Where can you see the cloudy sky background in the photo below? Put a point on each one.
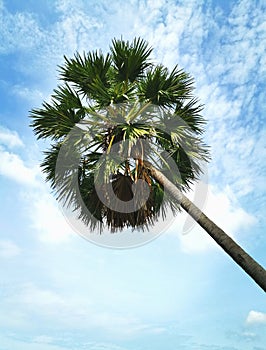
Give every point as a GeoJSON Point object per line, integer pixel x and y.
{"type": "Point", "coordinates": [58, 291]}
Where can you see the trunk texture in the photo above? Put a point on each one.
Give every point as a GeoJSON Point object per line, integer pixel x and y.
{"type": "Point", "coordinates": [244, 260]}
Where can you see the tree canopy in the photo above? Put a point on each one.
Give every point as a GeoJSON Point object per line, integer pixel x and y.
{"type": "Point", "coordinates": [111, 113]}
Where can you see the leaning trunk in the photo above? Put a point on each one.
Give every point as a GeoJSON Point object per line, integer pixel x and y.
{"type": "Point", "coordinates": [244, 260]}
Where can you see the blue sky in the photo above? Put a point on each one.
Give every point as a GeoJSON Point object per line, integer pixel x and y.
{"type": "Point", "coordinates": [59, 291]}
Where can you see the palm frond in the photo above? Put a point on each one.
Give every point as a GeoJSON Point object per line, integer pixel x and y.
{"type": "Point", "coordinates": [84, 70]}
{"type": "Point", "coordinates": [164, 89]}
{"type": "Point", "coordinates": [130, 60]}
{"type": "Point", "coordinates": [190, 112]}
{"type": "Point", "coordinates": [57, 118]}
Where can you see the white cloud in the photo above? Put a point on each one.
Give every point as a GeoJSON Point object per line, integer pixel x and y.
{"type": "Point", "coordinates": [72, 311]}
{"type": "Point", "coordinates": [47, 220]}
{"type": "Point", "coordinates": [12, 165]}
{"type": "Point", "coordinates": [9, 138]}
{"type": "Point", "coordinates": [226, 211]}
{"type": "Point", "coordinates": [14, 168]}
{"type": "Point", "coordinates": [256, 317]}
{"type": "Point", "coordinates": [34, 96]}
{"type": "Point", "coordinates": [75, 28]}
{"type": "Point", "coordinates": [237, 157]}
{"type": "Point", "coordinates": [8, 249]}
{"type": "Point", "coordinates": [42, 46]}
{"type": "Point", "coordinates": [19, 31]}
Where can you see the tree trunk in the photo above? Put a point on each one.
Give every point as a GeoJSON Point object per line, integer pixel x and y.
{"type": "Point", "coordinates": [244, 260]}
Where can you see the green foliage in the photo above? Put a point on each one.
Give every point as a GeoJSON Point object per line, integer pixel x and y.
{"type": "Point", "coordinates": [130, 60]}
{"type": "Point", "coordinates": [164, 89]}
{"type": "Point", "coordinates": [104, 100]}
{"type": "Point", "coordinates": [57, 118]}
{"type": "Point", "coordinates": [87, 72]}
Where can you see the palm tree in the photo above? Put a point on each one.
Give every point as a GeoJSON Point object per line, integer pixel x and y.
{"type": "Point", "coordinates": [127, 143]}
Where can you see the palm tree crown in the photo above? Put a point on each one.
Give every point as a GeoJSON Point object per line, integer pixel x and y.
{"type": "Point", "coordinates": [110, 114]}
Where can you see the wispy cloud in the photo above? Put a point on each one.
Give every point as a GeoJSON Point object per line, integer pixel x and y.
{"type": "Point", "coordinates": [31, 95]}
{"type": "Point", "coordinates": [43, 342]}
{"type": "Point", "coordinates": [14, 168]}
{"type": "Point", "coordinates": [10, 138]}
{"type": "Point", "coordinates": [47, 220]}
{"type": "Point", "coordinates": [19, 31]}
{"type": "Point", "coordinates": [8, 249]}
{"type": "Point", "coordinates": [69, 312]}
{"type": "Point", "coordinates": [15, 343]}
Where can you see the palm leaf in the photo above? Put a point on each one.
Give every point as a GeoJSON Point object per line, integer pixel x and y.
{"type": "Point", "coordinates": [164, 89]}
{"type": "Point", "coordinates": [130, 60]}
{"type": "Point", "coordinates": [84, 70]}
{"type": "Point", "coordinates": [57, 118]}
